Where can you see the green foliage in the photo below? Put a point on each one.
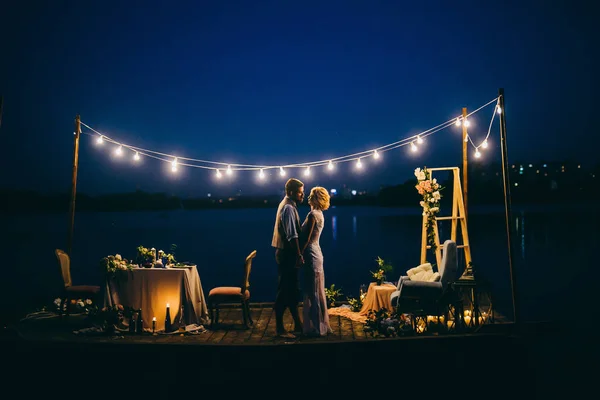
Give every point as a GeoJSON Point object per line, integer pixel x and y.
{"type": "Point", "coordinates": [383, 268]}
{"type": "Point", "coordinates": [144, 255]}
{"type": "Point", "coordinates": [430, 190]}
{"type": "Point", "coordinates": [332, 295]}
{"type": "Point", "coordinates": [355, 303]}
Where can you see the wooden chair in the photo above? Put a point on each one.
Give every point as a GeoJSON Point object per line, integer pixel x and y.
{"type": "Point", "coordinates": [71, 291]}
{"type": "Point", "coordinates": [236, 294]}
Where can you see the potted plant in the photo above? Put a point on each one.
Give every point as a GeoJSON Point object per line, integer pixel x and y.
{"type": "Point", "coordinates": [383, 268]}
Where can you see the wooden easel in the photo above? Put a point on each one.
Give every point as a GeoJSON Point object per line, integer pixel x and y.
{"type": "Point", "coordinates": [458, 214]}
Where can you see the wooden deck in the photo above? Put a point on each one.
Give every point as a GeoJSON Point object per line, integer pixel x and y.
{"type": "Point", "coordinates": [40, 354]}
{"type": "Point", "coordinates": [229, 331]}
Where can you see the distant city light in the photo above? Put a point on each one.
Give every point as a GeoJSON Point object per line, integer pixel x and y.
{"type": "Point", "coordinates": [209, 195]}
{"type": "Point", "coordinates": [354, 193]}
{"type": "Point", "coordinates": [333, 191]}
{"type": "Point", "coordinates": [516, 184]}
{"type": "Point", "coordinates": [544, 165]}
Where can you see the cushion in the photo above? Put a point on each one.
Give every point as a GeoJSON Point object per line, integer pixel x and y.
{"type": "Point", "coordinates": [415, 270]}
{"type": "Point", "coordinates": [423, 273]}
{"type": "Point", "coordinates": [228, 291]}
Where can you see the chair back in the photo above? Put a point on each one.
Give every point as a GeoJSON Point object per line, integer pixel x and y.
{"type": "Point", "coordinates": [449, 264]}
{"type": "Point", "coordinates": [65, 266]}
{"type": "Point", "coordinates": [247, 269]}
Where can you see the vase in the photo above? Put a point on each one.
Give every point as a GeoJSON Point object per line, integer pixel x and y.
{"type": "Point", "coordinates": [379, 281]}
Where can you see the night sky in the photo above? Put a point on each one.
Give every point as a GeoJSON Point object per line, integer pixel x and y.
{"type": "Point", "coordinates": [279, 82]}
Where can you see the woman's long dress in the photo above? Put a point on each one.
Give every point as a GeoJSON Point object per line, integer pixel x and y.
{"type": "Point", "coordinates": [316, 318]}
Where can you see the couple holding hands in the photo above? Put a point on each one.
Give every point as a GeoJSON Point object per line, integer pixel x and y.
{"type": "Point", "coordinates": [297, 247]}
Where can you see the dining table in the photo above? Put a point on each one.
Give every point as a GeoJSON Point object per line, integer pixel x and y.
{"type": "Point", "coordinates": [156, 292]}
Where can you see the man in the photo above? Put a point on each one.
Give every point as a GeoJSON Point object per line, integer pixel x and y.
{"type": "Point", "coordinates": [288, 256]}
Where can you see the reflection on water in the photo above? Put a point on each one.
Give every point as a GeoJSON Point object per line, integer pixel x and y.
{"type": "Point", "coordinates": [334, 227]}
{"type": "Point", "coordinates": [354, 227]}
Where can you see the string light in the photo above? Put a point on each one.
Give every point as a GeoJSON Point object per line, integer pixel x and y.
{"type": "Point", "coordinates": [477, 153]}
{"type": "Point", "coordinates": [467, 137]}
{"type": "Point", "coordinates": [307, 171]}
{"type": "Point", "coordinates": [219, 175]}
{"type": "Point", "coordinates": [484, 144]}
{"type": "Point", "coordinates": [261, 174]}
{"type": "Point", "coordinates": [119, 150]}
{"type": "Point", "coordinates": [499, 109]}
{"type": "Point", "coordinates": [136, 156]}
{"type": "Point", "coordinates": [358, 164]}
{"type": "Point", "coordinates": [216, 165]}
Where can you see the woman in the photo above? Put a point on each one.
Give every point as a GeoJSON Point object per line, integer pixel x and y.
{"type": "Point", "coordinates": [316, 318]}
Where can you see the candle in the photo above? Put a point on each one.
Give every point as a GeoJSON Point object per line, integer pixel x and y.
{"type": "Point", "coordinates": [153, 324]}
{"type": "Point", "coordinates": [467, 320]}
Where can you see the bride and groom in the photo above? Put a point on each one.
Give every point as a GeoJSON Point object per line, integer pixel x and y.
{"type": "Point", "coordinates": [297, 247]}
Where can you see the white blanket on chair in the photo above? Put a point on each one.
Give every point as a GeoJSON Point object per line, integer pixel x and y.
{"type": "Point", "coordinates": [423, 272]}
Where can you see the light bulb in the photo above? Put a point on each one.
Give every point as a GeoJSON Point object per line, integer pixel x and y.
{"type": "Point", "coordinates": [413, 147]}
{"type": "Point", "coordinates": [281, 171]}
{"type": "Point", "coordinates": [307, 171]}
{"type": "Point", "coordinates": [467, 123]}
{"type": "Point", "coordinates": [261, 174]}
{"type": "Point", "coordinates": [330, 165]}
{"type": "Point", "coordinates": [99, 140]}
{"type": "Point", "coordinates": [229, 171]}
{"type": "Point", "coordinates": [477, 154]}
{"type": "Point", "coordinates": [484, 144]}
{"type": "Point", "coordinates": [119, 150]}
{"type": "Point", "coordinates": [136, 156]}
{"type": "Point", "coordinates": [419, 140]}
{"type": "Point", "coordinates": [174, 164]}
{"type": "Point", "coordinates": [218, 174]}
{"type": "Point", "coordinates": [375, 155]}
{"type": "Point", "coordinates": [467, 137]}
{"type": "Point", "coordinates": [457, 123]}
{"type": "Point", "coordinates": [358, 164]}
{"type": "Point", "coordinates": [499, 109]}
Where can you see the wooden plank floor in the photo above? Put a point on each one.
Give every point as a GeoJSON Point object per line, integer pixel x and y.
{"type": "Point", "coordinates": [230, 330]}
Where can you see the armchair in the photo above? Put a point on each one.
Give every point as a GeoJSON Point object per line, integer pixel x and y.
{"type": "Point", "coordinates": [428, 297]}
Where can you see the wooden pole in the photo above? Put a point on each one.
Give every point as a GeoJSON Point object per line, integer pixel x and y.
{"type": "Point", "coordinates": [507, 202]}
{"type": "Point", "coordinates": [465, 161]}
{"type": "Point", "coordinates": [1, 106]}
{"type": "Point", "coordinates": [77, 132]}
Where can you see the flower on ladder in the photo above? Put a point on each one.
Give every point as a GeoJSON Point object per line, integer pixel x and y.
{"type": "Point", "coordinates": [430, 190]}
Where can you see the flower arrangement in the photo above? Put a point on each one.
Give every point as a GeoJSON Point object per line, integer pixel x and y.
{"type": "Point", "coordinates": [168, 258]}
{"type": "Point", "coordinates": [145, 256]}
{"type": "Point", "coordinates": [430, 190]}
{"type": "Point", "coordinates": [110, 317]}
{"type": "Point", "coordinates": [86, 306]}
{"type": "Point", "coordinates": [384, 323]}
{"type": "Point", "coordinates": [115, 263]}
{"type": "Point", "coordinates": [332, 294]}
{"type": "Point", "coordinates": [380, 273]}
{"type": "Point", "coordinates": [355, 303]}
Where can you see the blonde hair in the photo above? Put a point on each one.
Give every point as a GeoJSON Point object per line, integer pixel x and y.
{"type": "Point", "coordinates": [319, 198]}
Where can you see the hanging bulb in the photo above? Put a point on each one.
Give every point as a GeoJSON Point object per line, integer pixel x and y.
{"type": "Point", "coordinates": [307, 171]}
{"type": "Point", "coordinates": [119, 150]}
{"type": "Point", "coordinates": [330, 165]}
{"type": "Point", "coordinates": [484, 144]}
{"type": "Point", "coordinates": [375, 155]}
{"type": "Point", "coordinates": [229, 171]}
{"type": "Point", "coordinates": [174, 164]}
{"type": "Point", "coordinates": [467, 137]}
{"type": "Point", "coordinates": [281, 171]}
{"type": "Point", "coordinates": [477, 153]}
{"type": "Point", "coordinates": [136, 156]}
{"type": "Point", "coordinates": [499, 109]}
{"type": "Point", "coordinates": [99, 140]}
{"type": "Point", "coordinates": [419, 140]}
{"type": "Point", "coordinates": [219, 175]}
{"type": "Point", "coordinates": [413, 147]}
{"type": "Point", "coordinates": [467, 123]}
{"type": "Point", "coordinates": [358, 164]}
{"type": "Point", "coordinates": [261, 174]}
{"type": "Point", "coordinates": [457, 123]}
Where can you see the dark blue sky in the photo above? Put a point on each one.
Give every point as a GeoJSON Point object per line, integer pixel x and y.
{"type": "Point", "coordinates": [270, 82]}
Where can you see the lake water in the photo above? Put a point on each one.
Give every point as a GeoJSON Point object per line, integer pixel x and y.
{"type": "Point", "coordinates": [552, 253]}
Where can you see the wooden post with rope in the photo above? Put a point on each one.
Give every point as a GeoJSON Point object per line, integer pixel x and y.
{"type": "Point", "coordinates": [76, 134]}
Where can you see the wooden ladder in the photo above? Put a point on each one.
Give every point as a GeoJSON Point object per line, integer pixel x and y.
{"type": "Point", "coordinates": [458, 214]}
